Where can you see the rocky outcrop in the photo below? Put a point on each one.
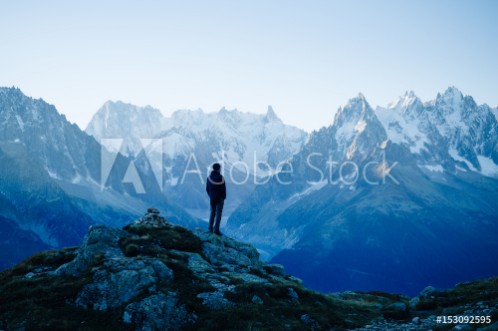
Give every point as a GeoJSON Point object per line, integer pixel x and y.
{"type": "Point", "coordinates": [120, 280]}
{"type": "Point", "coordinates": [152, 275]}
{"type": "Point", "coordinates": [100, 244]}
{"type": "Point", "coordinates": [158, 312]}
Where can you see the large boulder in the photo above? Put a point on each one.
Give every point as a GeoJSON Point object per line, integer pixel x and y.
{"type": "Point", "coordinates": [101, 243]}
{"type": "Point", "coordinates": [158, 312]}
{"type": "Point", "coordinates": [118, 281]}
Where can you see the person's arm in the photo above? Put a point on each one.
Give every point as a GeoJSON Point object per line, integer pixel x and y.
{"type": "Point", "coordinates": [208, 187]}
{"type": "Point", "coordinates": [224, 190]}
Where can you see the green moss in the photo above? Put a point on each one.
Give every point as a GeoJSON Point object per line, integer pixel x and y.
{"type": "Point", "coordinates": [153, 241]}
{"type": "Point", "coordinates": [482, 290]}
{"type": "Point", "coordinates": [257, 272]}
{"type": "Point", "coordinates": [45, 303]}
{"type": "Point", "coordinates": [468, 293]}
{"type": "Point", "coordinates": [131, 250]}
{"type": "Point", "coordinates": [44, 260]}
{"type": "Point", "coordinates": [390, 296]}
{"type": "Point", "coordinates": [280, 312]}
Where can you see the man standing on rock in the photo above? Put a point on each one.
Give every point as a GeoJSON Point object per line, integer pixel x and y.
{"type": "Point", "coordinates": [216, 189]}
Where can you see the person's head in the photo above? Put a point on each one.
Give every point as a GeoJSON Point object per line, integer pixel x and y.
{"type": "Point", "coordinates": [216, 167]}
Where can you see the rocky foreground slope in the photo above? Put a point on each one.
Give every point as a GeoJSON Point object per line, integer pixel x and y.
{"type": "Point", "coordinates": [153, 275]}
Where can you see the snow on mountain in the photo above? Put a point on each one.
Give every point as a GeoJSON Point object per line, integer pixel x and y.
{"type": "Point", "coordinates": [495, 112]}
{"type": "Point", "coordinates": [249, 146]}
{"type": "Point", "coordinates": [357, 129]}
{"type": "Point", "coordinates": [355, 137]}
{"type": "Point", "coordinates": [452, 125]}
{"type": "Point", "coordinates": [54, 176]}
{"type": "Point", "coordinates": [187, 143]}
{"type": "Point", "coordinates": [125, 121]}
{"type": "Point", "coordinates": [241, 137]}
{"type": "Point", "coordinates": [419, 178]}
{"type": "Point", "coordinates": [400, 120]}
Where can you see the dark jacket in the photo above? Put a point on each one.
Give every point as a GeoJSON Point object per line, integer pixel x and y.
{"type": "Point", "coordinates": [215, 186]}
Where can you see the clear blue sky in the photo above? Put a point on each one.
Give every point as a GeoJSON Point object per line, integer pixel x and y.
{"type": "Point", "coordinates": [305, 58]}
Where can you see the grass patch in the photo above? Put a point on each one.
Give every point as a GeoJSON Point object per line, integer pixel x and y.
{"type": "Point", "coordinates": [45, 303]}
{"type": "Point", "coordinates": [468, 293]}
{"type": "Point", "coordinates": [153, 241]}
{"type": "Point", "coordinates": [482, 290]}
{"type": "Point", "coordinates": [280, 312]}
{"type": "Point", "coordinates": [48, 260]}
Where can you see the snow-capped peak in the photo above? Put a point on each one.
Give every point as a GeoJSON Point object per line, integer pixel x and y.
{"type": "Point", "coordinates": [125, 121]}
{"type": "Point", "coordinates": [449, 102]}
{"type": "Point", "coordinates": [452, 92]}
{"type": "Point", "coordinates": [352, 120]}
{"type": "Point", "coordinates": [355, 109]}
{"type": "Point", "coordinates": [405, 102]}
{"type": "Point", "coordinates": [495, 112]}
{"type": "Point", "coordinates": [271, 116]}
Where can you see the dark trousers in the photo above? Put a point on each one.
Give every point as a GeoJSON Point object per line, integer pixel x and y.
{"type": "Point", "coordinates": [215, 217]}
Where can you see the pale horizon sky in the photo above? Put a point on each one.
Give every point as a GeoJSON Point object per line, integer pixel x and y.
{"type": "Point", "coordinates": [304, 58]}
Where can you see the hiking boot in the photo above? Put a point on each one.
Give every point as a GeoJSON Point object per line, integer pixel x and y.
{"type": "Point", "coordinates": [218, 233]}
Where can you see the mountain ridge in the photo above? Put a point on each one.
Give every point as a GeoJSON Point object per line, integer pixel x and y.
{"type": "Point", "coordinates": [51, 180]}
{"type": "Point", "coordinates": [438, 159]}
{"type": "Point", "coordinates": [185, 144]}
{"type": "Point", "coordinates": [413, 171]}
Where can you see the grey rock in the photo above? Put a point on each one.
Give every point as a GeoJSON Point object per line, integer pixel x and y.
{"type": "Point", "coordinates": [295, 280]}
{"type": "Point", "coordinates": [152, 219]}
{"type": "Point", "coordinates": [111, 288]}
{"type": "Point", "coordinates": [163, 273]}
{"type": "Point", "coordinates": [428, 292]}
{"type": "Point", "coordinates": [416, 320]}
{"type": "Point", "coordinates": [198, 265]}
{"type": "Point", "coordinates": [222, 285]}
{"type": "Point", "coordinates": [120, 280]}
{"type": "Point", "coordinates": [218, 254]}
{"type": "Point", "coordinates": [275, 269]}
{"type": "Point", "coordinates": [292, 294]}
{"type": "Point", "coordinates": [158, 312]}
{"type": "Point", "coordinates": [401, 306]}
{"type": "Point", "coordinates": [310, 322]}
{"type": "Point", "coordinates": [224, 250]}
{"type": "Point", "coordinates": [414, 302]}
{"type": "Point", "coordinates": [257, 300]}
{"type": "Point", "coordinates": [248, 278]}
{"type": "Point", "coordinates": [215, 300]}
{"type": "Point", "coordinates": [219, 281]}
{"type": "Point", "coordinates": [100, 243]}
{"type": "Point", "coordinates": [396, 310]}
{"type": "Point", "coordinates": [462, 327]}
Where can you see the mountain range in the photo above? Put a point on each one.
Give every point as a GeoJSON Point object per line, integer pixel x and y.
{"type": "Point", "coordinates": [183, 146]}
{"type": "Point", "coordinates": [394, 198]}
{"type": "Point", "coordinates": [51, 183]}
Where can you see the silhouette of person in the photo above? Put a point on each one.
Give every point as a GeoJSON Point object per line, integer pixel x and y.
{"type": "Point", "coordinates": [216, 189]}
